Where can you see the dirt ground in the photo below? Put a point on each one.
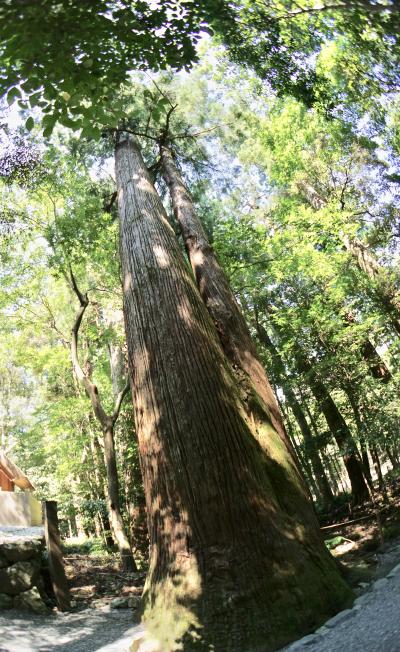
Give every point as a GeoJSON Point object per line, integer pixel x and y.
{"type": "Point", "coordinates": [361, 537]}
{"type": "Point", "coordinates": [96, 581]}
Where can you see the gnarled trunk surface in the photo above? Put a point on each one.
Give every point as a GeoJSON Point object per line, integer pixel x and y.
{"type": "Point", "coordinates": [237, 561]}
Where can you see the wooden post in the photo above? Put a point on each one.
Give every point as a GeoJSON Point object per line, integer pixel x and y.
{"type": "Point", "coordinates": [56, 564]}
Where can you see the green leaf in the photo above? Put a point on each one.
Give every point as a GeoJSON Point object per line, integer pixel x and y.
{"type": "Point", "coordinates": [91, 132]}
{"type": "Point", "coordinates": [71, 124]}
{"type": "Point", "coordinates": [35, 99]}
{"type": "Point", "coordinates": [148, 94]}
{"type": "Point", "coordinates": [48, 131]}
{"type": "Point", "coordinates": [48, 124]}
{"type": "Point", "coordinates": [30, 123]}
{"type": "Point", "coordinates": [12, 95]}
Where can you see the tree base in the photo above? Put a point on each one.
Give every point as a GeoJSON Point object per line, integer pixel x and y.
{"type": "Point", "coordinates": [218, 602]}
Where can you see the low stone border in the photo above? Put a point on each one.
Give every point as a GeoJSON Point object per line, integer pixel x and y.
{"type": "Point", "coordinates": [342, 616]}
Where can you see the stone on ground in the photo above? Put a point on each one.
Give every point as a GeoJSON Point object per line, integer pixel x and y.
{"type": "Point", "coordinates": [30, 601]}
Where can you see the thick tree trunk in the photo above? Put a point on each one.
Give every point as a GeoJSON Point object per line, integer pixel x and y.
{"type": "Point", "coordinates": [218, 297]}
{"type": "Point", "coordinates": [309, 442]}
{"type": "Point", "coordinates": [339, 430]}
{"type": "Point", "coordinates": [237, 559]}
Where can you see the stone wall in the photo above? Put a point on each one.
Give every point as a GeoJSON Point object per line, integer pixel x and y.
{"type": "Point", "coordinates": [22, 573]}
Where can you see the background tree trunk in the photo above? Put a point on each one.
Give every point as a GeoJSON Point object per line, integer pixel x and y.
{"type": "Point", "coordinates": [340, 431]}
{"type": "Point", "coordinates": [107, 423]}
{"type": "Point", "coordinates": [117, 523]}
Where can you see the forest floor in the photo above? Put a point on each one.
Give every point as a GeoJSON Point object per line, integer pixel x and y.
{"type": "Point", "coordinates": [96, 581]}
{"type": "Point", "coordinates": [366, 541]}
{"type": "Point", "coordinates": [105, 614]}
{"type": "Point", "coordinates": [362, 538]}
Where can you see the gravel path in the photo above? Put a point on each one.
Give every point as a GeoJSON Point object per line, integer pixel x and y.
{"type": "Point", "coordinates": [86, 631]}
{"type": "Point", "coordinates": [372, 625]}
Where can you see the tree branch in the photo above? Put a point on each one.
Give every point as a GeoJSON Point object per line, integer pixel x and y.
{"type": "Point", "coordinates": [119, 401]}
{"type": "Point", "coordinates": [90, 387]}
{"type": "Point", "coordinates": [162, 93]}
{"type": "Point", "coordinates": [107, 207]}
{"type": "Point", "coordinates": [165, 132]}
{"type": "Point", "coordinates": [200, 133]}
{"type": "Point", "coordinates": [53, 323]}
{"type": "Point", "coordinates": [134, 133]}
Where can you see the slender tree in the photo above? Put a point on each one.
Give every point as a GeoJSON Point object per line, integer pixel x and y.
{"type": "Point", "coordinates": [107, 423]}
{"type": "Point", "coordinates": [339, 430]}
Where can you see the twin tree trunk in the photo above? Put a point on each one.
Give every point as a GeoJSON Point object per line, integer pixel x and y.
{"type": "Point", "coordinates": [237, 561]}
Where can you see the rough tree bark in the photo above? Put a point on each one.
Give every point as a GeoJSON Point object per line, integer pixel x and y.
{"type": "Point", "coordinates": [339, 429]}
{"type": "Point", "coordinates": [309, 442]}
{"type": "Point", "coordinates": [107, 423]}
{"type": "Point", "coordinates": [237, 560]}
{"type": "Point", "coordinates": [218, 297]}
